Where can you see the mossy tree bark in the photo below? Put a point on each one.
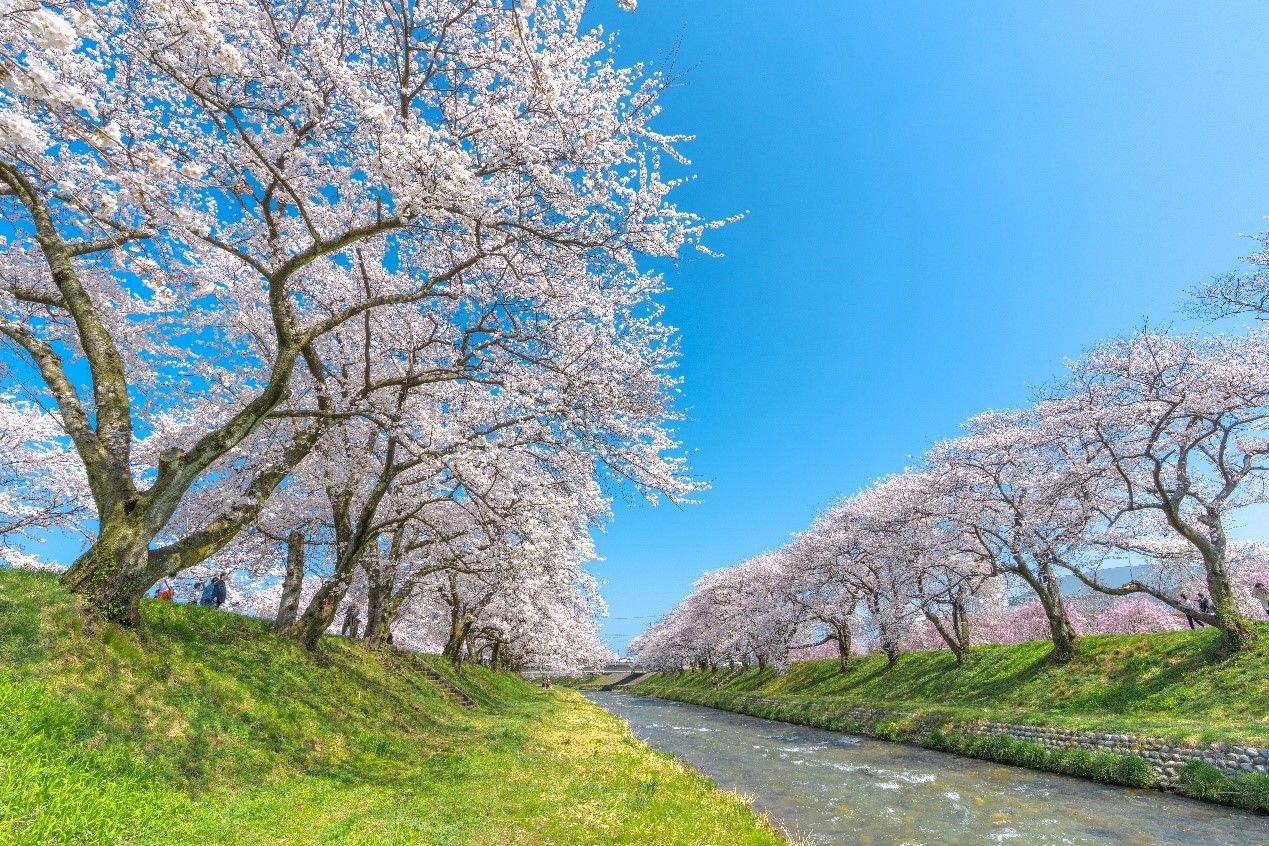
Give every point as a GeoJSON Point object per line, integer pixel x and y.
{"type": "Point", "coordinates": [890, 646]}
{"type": "Point", "coordinates": [1044, 582]}
{"type": "Point", "coordinates": [843, 635]}
{"type": "Point", "coordinates": [293, 583]}
{"type": "Point", "coordinates": [111, 574]}
{"type": "Point", "coordinates": [457, 640]}
{"type": "Point", "coordinates": [385, 597]}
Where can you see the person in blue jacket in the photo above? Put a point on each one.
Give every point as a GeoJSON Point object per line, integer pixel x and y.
{"type": "Point", "coordinates": [220, 590]}
{"type": "Point", "coordinates": [209, 593]}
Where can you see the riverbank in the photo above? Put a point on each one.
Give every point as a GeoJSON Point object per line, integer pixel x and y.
{"type": "Point", "coordinates": [1164, 709]}
{"type": "Point", "coordinates": [830, 787]}
{"type": "Point", "coordinates": [202, 727]}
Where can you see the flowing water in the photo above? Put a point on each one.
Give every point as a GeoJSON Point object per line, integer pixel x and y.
{"type": "Point", "coordinates": [836, 788]}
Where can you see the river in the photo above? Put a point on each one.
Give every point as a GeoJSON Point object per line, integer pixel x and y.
{"type": "Point", "coordinates": [837, 788]}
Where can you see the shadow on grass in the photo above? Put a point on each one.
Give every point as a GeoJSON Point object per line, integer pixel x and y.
{"type": "Point", "coordinates": [200, 695]}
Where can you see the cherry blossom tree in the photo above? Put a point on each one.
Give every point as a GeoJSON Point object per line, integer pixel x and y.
{"type": "Point", "coordinates": [201, 196]}
{"type": "Point", "coordinates": [1135, 615]}
{"type": "Point", "coordinates": [770, 616]}
{"type": "Point", "coordinates": [546, 623]}
{"type": "Point", "coordinates": [1245, 291]}
{"type": "Point", "coordinates": [737, 615]}
{"type": "Point", "coordinates": [666, 644]}
{"type": "Point", "coordinates": [1017, 507]}
{"type": "Point", "coordinates": [873, 564]}
{"type": "Point", "coordinates": [823, 568]}
{"type": "Point", "coordinates": [1022, 622]}
{"type": "Point", "coordinates": [1172, 430]}
{"type": "Point", "coordinates": [923, 548]}
{"type": "Point", "coordinates": [532, 605]}
{"type": "Point", "coordinates": [1141, 458]}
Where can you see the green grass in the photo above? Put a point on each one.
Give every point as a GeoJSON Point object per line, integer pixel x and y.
{"type": "Point", "coordinates": [201, 727]}
{"type": "Point", "coordinates": [1246, 790]}
{"type": "Point", "coordinates": [1176, 685]}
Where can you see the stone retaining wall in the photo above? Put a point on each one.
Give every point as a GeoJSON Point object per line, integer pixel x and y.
{"type": "Point", "coordinates": [1165, 757]}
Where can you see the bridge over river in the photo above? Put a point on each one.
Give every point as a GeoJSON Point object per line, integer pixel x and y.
{"type": "Point", "coordinates": [840, 789]}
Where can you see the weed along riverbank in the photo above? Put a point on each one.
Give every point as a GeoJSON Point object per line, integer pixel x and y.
{"type": "Point", "coordinates": [202, 727]}
{"type": "Point", "coordinates": [1152, 710]}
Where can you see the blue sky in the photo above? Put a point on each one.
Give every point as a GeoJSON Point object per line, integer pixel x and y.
{"type": "Point", "coordinates": [945, 201]}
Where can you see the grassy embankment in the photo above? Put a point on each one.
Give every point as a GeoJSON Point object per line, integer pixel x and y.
{"type": "Point", "coordinates": [201, 727]}
{"type": "Point", "coordinates": [1173, 685]}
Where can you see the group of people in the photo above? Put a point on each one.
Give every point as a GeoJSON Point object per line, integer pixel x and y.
{"type": "Point", "coordinates": [1205, 605]}
{"type": "Point", "coordinates": [211, 594]}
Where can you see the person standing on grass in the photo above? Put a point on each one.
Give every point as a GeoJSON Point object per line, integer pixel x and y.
{"type": "Point", "coordinates": [220, 591]}
{"type": "Point", "coordinates": [1262, 594]}
{"type": "Point", "coordinates": [1205, 604]}
{"type": "Point", "coordinates": [163, 590]}
{"type": "Point", "coordinates": [208, 596]}
{"type": "Point", "coordinates": [352, 624]}
{"type": "Point", "coordinates": [1193, 623]}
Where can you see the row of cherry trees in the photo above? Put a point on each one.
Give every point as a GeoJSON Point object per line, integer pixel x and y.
{"type": "Point", "coordinates": [1139, 457]}
{"type": "Point", "coordinates": [343, 294]}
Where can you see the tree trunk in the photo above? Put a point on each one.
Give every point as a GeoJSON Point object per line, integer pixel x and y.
{"type": "Point", "coordinates": [1044, 582]}
{"type": "Point", "coordinates": [951, 638]}
{"type": "Point", "coordinates": [377, 606]}
{"type": "Point", "coordinates": [1213, 546]}
{"type": "Point", "coordinates": [956, 632]}
{"type": "Point", "coordinates": [960, 622]}
{"type": "Point", "coordinates": [1234, 626]}
{"type": "Point", "coordinates": [120, 566]}
{"type": "Point", "coordinates": [379, 623]}
{"type": "Point", "coordinates": [381, 605]}
{"type": "Point", "coordinates": [890, 646]}
{"type": "Point", "coordinates": [457, 639]}
{"type": "Point", "coordinates": [1061, 631]}
{"type": "Point", "coordinates": [114, 573]}
{"type": "Point", "coordinates": [843, 635]}
{"type": "Point", "coordinates": [321, 610]}
{"type": "Point", "coordinates": [293, 583]}
{"type": "Point", "coordinates": [323, 606]}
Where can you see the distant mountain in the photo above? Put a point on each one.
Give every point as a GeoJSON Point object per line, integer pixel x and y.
{"type": "Point", "coordinates": [1072, 586]}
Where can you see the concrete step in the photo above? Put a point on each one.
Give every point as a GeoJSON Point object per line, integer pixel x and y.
{"type": "Point", "coordinates": [615, 681]}
{"type": "Point", "coordinates": [456, 693]}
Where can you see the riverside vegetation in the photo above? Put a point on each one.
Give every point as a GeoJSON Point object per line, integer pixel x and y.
{"type": "Point", "coordinates": [1178, 686]}
{"type": "Point", "coordinates": [199, 727]}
